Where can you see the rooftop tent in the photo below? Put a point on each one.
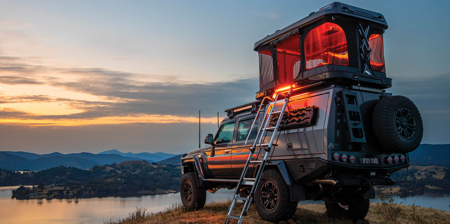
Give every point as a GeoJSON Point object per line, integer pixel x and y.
{"type": "Point", "coordinates": [279, 61]}
{"type": "Point", "coordinates": [336, 43]}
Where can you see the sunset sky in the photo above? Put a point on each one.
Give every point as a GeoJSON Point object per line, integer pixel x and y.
{"type": "Point", "coordinates": [89, 76]}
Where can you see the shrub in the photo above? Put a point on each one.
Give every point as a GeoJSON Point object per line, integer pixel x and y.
{"type": "Point", "coordinates": [387, 210]}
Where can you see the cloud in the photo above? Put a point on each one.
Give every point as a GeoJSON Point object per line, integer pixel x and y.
{"type": "Point", "coordinates": [124, 97]}
{"type": "Point", "coordinates": [430, 93]}
{"type": "Point", "coordinates": [14, 80]}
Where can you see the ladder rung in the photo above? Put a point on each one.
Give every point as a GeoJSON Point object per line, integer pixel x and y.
{"type": "Point", "coordinates": [234, 217]}
{"type": "Point", "coordinates": [267, 144]}
{"type": "Point", "coordinates": [270, 129]}
{"type": "Point", "coordinates": [276, 112]}
{"type": "Point", "coordinates": [248, 183]}
{"type": "Point", "coordinates": [255, 161]}
{"type": "Point", "coordinates": [252, 179]}
{"type": "Point", "coordinates": [241, 198]}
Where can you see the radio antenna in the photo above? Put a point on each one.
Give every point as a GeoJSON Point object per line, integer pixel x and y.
{"type": "Point", "coordinates": [199, 133]}
{"type": "Point", "coordinates": [217, 119]}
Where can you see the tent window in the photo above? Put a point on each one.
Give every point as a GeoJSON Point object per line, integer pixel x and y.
{"type": "Point", "coordinates": [265, 67]}
{"type": "Point", "coordinates": [377, 53]}
{"type": "Point", "coordinates": [326, 44]}
{"type": "Point", "coordinates": [288, 56]}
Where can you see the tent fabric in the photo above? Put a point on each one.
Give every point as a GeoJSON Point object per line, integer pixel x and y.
{"type": "Point", "coordinates": [326, 44]}
{"type": "Point", "coordinates": [377, 53]}
{"type": "Point", "coordinates": [288, 53]}
{"type": "Point", "coordinates": [265, 68]}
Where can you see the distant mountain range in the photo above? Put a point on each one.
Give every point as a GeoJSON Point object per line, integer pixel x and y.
{"type": "Point", "coordinates": [17, 161]}
{"type": "Point", "coordinates": [176, 160]}
{"type": "Point", "coordinates": [426, 154]}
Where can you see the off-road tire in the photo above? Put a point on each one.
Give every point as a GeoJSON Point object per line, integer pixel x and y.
{"type": "Point", "coordinates": [284, 208]}
{"type": "Point", "coordinates": [397, 124]}
{"type": "Point", "coordinates": [192, 196]}
{"type": "Point", "coordinates": [356, 210]}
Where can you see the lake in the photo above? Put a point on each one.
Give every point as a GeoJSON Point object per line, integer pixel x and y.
{"type": "Point", "coordinates": [98, 210]}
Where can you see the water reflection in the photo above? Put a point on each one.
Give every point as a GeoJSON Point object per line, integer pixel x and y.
{"type": "Point", "coordinates": [98, 210]}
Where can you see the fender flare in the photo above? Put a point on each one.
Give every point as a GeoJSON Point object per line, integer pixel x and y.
{"type": "Point", "coordinates": [297, 191]}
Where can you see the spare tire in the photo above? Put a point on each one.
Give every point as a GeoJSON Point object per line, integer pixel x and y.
{"type": "Point", "coordinates": [397, 124]}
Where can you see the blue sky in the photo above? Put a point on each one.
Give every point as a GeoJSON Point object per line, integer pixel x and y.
{"type": "Point", "coordinates": [75, 73]}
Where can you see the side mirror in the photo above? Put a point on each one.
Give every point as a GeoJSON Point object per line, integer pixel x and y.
{"type": "Point", "coordinates": [209, 139]}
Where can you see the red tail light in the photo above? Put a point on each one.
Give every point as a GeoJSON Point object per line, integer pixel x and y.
{"type": "Point", "coordinates": [352, 159]}
{"type": "Point", "coordinates": [336, 156]}
{"type": "Point", "coordinates": [402, 158]}
{"type": "Point", "coordinates": [389, 160]}
{"type": "Point", "coordinates": [396, 159]}
{"type": "Point", "coordinates": [344, 157]}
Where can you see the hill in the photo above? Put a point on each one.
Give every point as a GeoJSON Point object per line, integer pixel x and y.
{"type": "Point", "coordinates": [311, 213]}
{"type": "Point", "coordinates": [129, 178]}
{"type": "Point", "coordinates": [55, 161]}
{"type": "Point", "coordinates": [12, 162]}
{"type": "Point", "coordinates": [427, 154]}
{"type": "Point", "coordinates": [18, 161]}
{"type": "Point", "coordinates": [150, 157]}
{"type": "Point", "coordinates": [176, 160]}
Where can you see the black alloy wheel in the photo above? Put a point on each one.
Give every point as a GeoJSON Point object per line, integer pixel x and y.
{"type": "Point", "coordinates": [269, 195]}
{"type": "Point", "coordinates": [187, 191]}
{"type": "Point", "coordinates": [192, 196]}
{"type": "Point", "coordinates": [272, 198]}
{"type": "Point", "coordinates": [405, 123]}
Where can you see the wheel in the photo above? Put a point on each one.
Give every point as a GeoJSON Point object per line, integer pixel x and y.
{"type": "Point", "coordinates": [272, 198]}
{"type": "Point", "coordinates": [192, 196]}
{"type": "Point", "coordinates": [245, 192]}
{"type": "Point", "coordinates": [353, 210]}
{"type": "Point", "coordinates": [397, 124]}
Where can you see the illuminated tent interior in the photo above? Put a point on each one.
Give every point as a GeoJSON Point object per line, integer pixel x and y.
{"type": "Point", "coordinates": [324, 47]}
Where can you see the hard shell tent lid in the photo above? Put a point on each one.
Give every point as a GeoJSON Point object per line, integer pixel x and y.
{"type": "Point", "coordinates": [337, 8]}
{"type": "Point", "coordinates": [339, 44]}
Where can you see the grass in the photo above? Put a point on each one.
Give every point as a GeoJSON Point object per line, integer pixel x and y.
{"type": "Point", "coordinates": [386, 212]}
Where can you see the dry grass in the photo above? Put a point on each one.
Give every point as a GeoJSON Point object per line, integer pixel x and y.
{"type": "Point", "coordinates": [312, 213]}
{"type": "Point", "coordinates": [423, 170]}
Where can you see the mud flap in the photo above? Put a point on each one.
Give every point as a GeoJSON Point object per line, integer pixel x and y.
{"type": "Point", "coordinates": [370, 194]}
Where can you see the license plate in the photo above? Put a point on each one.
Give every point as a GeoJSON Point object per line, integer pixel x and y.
{"type": "Point", "coordinates": [368, 161]}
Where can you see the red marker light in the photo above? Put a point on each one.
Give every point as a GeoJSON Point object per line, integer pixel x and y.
{"type": "Point", "coordinates": [344, 157]}
{"type": "Point", "coordinates": [352, 159]}
{"type": "Point", "coordinates": [396, 159]}
{"type": "Point", "coordinates": [336, 156]}
{"type": "Point", "coordinates": [402, 158]}
{"type": "Point", "coordinates": [389, 160]}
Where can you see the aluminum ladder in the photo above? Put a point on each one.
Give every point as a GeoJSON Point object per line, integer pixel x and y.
{"type": "Point", "coordinates": [243, 181]}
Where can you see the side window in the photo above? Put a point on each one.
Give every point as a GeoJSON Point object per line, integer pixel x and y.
{"type": "Point", "coordinates": [265, 67]}
{"type": "Point", "coordinates": [377, 53]}
{"type": "Point", "coordinates": [326, 45]}
{"type": "Point", "coordinates": [226, 133]}
{"type": "Point", "coordinates": [244, 128]}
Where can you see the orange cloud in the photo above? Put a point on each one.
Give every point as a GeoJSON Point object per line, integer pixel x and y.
{"type": "Point", "coordinates": [144, 119]}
